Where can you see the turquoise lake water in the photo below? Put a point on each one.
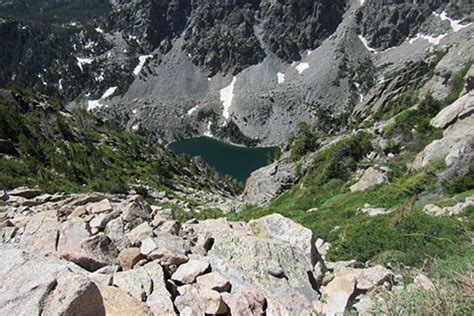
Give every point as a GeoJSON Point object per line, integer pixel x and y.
{"type": "Point", "coordinates": [235, 161]}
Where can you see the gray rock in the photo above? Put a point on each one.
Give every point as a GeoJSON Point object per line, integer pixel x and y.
{"type": "Point", "coordinates": [188, 272]}
{"type": "Point", "coordinates": [200, 301]}
{"type": "Point", "coordinates": [47, 286]}
{"type": "Point", "coordinates": [170, 227]}
{"type": "Point", "coordinates": [369, 279]}
{"type": "Point", "coordinates": [86, 199]}
{"type": "Point", "coordinates": [268, 182]}
{"type": "Point", "coordinates": [135, 208]}
{"type": "Point", "coordinates": [24, 192]}
{"type": "Point", "coordinates": [370, 178]}
{"type": "Point", "coordinates": [147, 284]}
{"type": "Point", "coordinates": [234, 256]}
{"type": "Point", "coordinates": [461, 107]}
{"type": "Point", "coordinates": [116, 232]}
{"type": "Point", "coordinates": [455, 148]}
{"type": "Point", "coordinates": [167, 249]}
{"type": "Point", "coordinates": [41, 234]}
{"type": "Point", "coordinates": [103, 206]}
{"type": "Point", "coordinates": [73, 295]}
{"type": "Point", "coordinates": [335, 296]}
{"type": "Point", "coordinates": [422, 282]}
{"type": "Point", "coordinates": [100, 221]}
{"type": "Point", "coordinates": [101, 247]}
{"type": "Point", "coordinates": [246, 302]}
{"type": "Point", "coordinates": [84, 260]}
{"type": "Point", "coordinates": [72, 233]}
{"type": "Point", "coordinates": [214, 281]}
{"type": "Point", "coordinates": [139, 233]}
{"type": "Point", "coordinates": [278, 227]}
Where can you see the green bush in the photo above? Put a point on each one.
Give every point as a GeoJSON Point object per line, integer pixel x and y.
{"type": "Point", "coordinates": [416, 237]}
{"type": "Point", "coordinates": [306, 141]}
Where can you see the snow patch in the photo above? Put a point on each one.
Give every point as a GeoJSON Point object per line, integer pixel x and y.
{"type": "Point", "coordinates": [366, 44]}
{"type": "Point", "coordinates": [309, 52]}
{"type": "Point", "coordinates": [226, 96]}
{"type": "Point", "coordinates": [192, 110]}
{"type": "Point", "coordinates": [99, 30]}
{"type": "Point", "coordinates": [302, 67]}
{"type": "Point", "coordinates": [455, 24]}
{"type": "Point", "coordinates": [208, 132]}
{"type": "Point", "coordinates": [109, 92]}
{"type": "Point", "coordinates": [92, 104]}
{"type": "Point", "coordinates": [362, 2]}
{"type": "Point", "coordinates": [280, 78]}
{"type": "Point", "coordinates": [60, 84]}
{"type": "Point", "coordinates": [142, 60]}
{"type": "Point", "coordinates": [135, 111]}
{"type": "Point", "coordinates": [83, 61]}
{"type": "Point", "coordinates": [361, 96]}
{"type": "Point", "coordinates": [431, 39]}
{"type": "Point", "coordinates": [136, 127]}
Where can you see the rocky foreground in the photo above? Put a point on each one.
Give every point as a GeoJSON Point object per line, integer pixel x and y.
{"type": "Point", "coordinates": [90, 255]}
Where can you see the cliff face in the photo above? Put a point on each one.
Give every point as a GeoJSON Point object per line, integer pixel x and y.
{"type": "Point", "coordinates": [248, 70]}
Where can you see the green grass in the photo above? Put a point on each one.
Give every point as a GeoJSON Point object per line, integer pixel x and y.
{"type": "Point", "coordinates": [453, 278]}
{"type": "Point", "coordinates": [403, 236]}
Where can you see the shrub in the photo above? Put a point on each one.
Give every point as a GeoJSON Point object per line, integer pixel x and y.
{"type": "Point", "coordinates": [306, 141]}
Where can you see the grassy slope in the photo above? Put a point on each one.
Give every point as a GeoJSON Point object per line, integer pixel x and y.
{"type": "Point", "coordinates": [406, 235]}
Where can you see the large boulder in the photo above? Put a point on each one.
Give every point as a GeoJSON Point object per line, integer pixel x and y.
{"type": "Point", "coordinates": [115, 230]}
{"type": "Point", "coordinates": [278, 270]}
{"type": "Point", "coordinates": [460, 108]}
{"type": "Point", "coordinates": [456, 147]}
{"type": "Point", "coordinates": [24, 192]}
{"type": "Point", "coordinates": [213, 281]}
{"type": "Point", "coordinates": [117, 302]}
{"type": "Point", "coordinates": [72, 233]}
{"type": "Point", "coordinates": [101, 247]}
{"type": "Point", "coordinates": [135, 210]}
{"type": "Point", "coordinates": [166, 248]}
{"type": "Point", "coordinates": [188, 272]}
{"type": "Point", "coordinates": [103, 206]}
{"type": "Point", "coordinates": [147, 284]}
{"type": "Point", "coordinates": [74, 294]}
{"type": "Point", "coordinates": [44, 287]}
{"type": "Point", "coordinates": [41, 234]}
{"type": "Point", "coordinates": [139, 233]}
{"type": "Point", "coordinates": [370, 178]}
{"type": "Point", "coordinates": [336, 295]}
{"type": "Point", "coordinates": [247, 302]}
{"type": "Point", "coordinates": [199, 301]}
{"type": "Point", "coordinates": [278, 227]}
{"type": "Point", "coordinates": [268, 182]}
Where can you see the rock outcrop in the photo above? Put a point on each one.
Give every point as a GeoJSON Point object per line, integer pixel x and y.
{"type": "Point", "coordinates": [456, 147]}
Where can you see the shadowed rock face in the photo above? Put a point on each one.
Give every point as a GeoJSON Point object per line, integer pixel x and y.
{"type": "Point", "coordinates": [388, 23]}
{"type": "Point", "coordinates": [169, 61]}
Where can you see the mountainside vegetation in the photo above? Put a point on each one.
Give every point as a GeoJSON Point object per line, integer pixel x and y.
{"type": "Point", "coordinates": [60, 151]}
{"type": "Point", "coordinates": [404, 234]}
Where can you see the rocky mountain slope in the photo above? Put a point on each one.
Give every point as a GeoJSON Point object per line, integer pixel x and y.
{"type": "Point", "coordinates": [115, 256]}
{"type": "Point", "coordinates": [174, 69]}
{"type": "Point", "coordinates": [369, 208]}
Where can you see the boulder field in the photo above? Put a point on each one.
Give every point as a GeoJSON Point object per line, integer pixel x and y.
{"type": "Point", "coordinates": [87, 254]}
